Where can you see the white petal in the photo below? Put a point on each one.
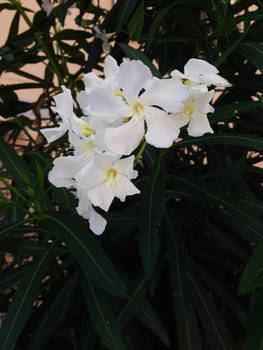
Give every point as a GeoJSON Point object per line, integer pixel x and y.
{"type": "Point", "coordinates": [198, 126]}
{"type": "Point", "coordinates": [167, 94]}
{"type": "Point", "coordinates": [197, 67]}
{"type": "Point", "coordinates": [214, 79]}
{"type": "Point", "coordinates": [69, 166]}
{"type": "Point", "coordinates": [180, 119]}
{"type": "Point", "coordinates": [101, 195]}
{"type": "Point", "coordinates": [64, 103]}
{"type": "Point", "coordinates": [90, 175]}
{"type": "Point", "coordinates": [106, 105]}
{"type": "Point", "coordinates": [91, 81]}
{"type": "Point", "coordinates": [202, 102]}
{"type": "Point", "coordinates": [133, 76]}
{"type": "Point", "coordinates": [59, 181]}
{"type": "Point", "coordinates": [125, 138]}
{"type": "Point", "coordinates": [124, 187]}
{"type": "Point", "coordinates": [110, 66]}
{"type": "Point", "coordinates": [97, 222]}
{"type": "Point", "coordinates": [124, 166]}
{"type": "Point", "coordinates": [83, 102]}
{"type": "Point", "coordinates": [162, 130]}
{"type": "Point", "coordinates": [52, 134]}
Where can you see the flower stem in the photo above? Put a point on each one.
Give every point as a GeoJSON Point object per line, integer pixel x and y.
{"type": "Point", "coordinates": [140, 152]}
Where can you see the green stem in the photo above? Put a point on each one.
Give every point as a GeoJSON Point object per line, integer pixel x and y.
{"type": "Point", "coordinates": [39, 40]}
{"type": "Point", "coordinates": [140, 152]}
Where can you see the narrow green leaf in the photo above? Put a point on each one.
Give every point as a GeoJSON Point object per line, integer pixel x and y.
{"type": "Point", "coordinates": [13, 163]}
{"type": "Point", "coordinates": [88, 253]}
{"type": "Point", "coordinates": [13, 31]}
{"type": "Point", "coordinates": [22, 302]}
{"type": "Point", "coordinates": [126, 8]}
{"type": "Point", "coordinates": [102, 315]}
{"type": "Point", "coordinates": [231, 48]}
{"type": "Point", "coordinates": [254, 337]}
{"type": "Point", "coordinates": [151, 212]}
{"type": "Point", "coordinates": [139, 55]}
{"type": "Point", "coordinates": [253, 51]}
{"type": "Point", "coordinates": [13, 275]}
{"type": "Point", "coordinates": [241, 211]}
{"type": "Point", "coordinates": [148, 316]}
{"type": "Point", "coordinates": [129, 310]}
{"type": "Point", "coordinates": [213, 324]}
{"type": "Point", "coordinates": [135, 25]}
{"type": "Point", "coordinates": [248, 141]}
{"type": "Point", "coordinates": [252, 277]}
{"type": "Point", "coordinates": [157, 21]}
{"type": "Point", "coordinates": [178, 265]}
{"type": "Point", "coordinates": [250, 16]}
{"type": "Point", "coordinates": [54, 314]}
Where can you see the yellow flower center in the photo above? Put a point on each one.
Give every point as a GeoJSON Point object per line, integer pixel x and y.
{"type": "Point", "coordinates": [138, 109]}
{"type": "Point", "coordinates": [84, 127]}
{"type": "Point", "coordinates": [188, 82]}
{"type": "Point", "coordinates": [188, 108]}
{"type": "Point", "coordinates": [120, 93]}
{"type": "Point", "coordinates": [111, 174]}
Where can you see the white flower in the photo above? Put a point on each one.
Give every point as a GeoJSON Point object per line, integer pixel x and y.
{"type": "Point", "coordinates": [92, 81]}
{"type": "Point", "coordinates": [86, 210]}
{"type": "Point", "coordinates": [129, 101]}
{"type": "Point", "coordinates": [198, 74]}
{"type": "Point", "coordinates": [47, 6]}
{"type": "Point", "coordinates": [194, 113]}
{"type": "Point", "coordinates": [104, 37]}
{"type": "Point", "coordinates": [69, 121]}
{"type": "Point", "coordinates": [107, 177]}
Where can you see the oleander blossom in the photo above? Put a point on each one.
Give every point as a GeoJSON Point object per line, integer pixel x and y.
{"type": "Point", "coordinates": [138, 99]}
{"type": "Point", "coordinates": [120, 110]}
{"type": "Point", "coordinates": [198, 74]}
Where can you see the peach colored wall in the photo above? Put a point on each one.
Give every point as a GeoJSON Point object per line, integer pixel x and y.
{"type": "Point", "coordinates": [6, 17]}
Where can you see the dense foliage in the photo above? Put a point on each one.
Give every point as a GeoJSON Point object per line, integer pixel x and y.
{"type": "Point", "coordinates": [181, 265]}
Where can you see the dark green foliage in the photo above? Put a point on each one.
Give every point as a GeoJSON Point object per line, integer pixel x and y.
{"type": "Point", "coordinates": [179, 266]}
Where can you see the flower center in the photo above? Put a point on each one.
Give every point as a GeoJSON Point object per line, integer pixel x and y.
{"type": "Point", "coordinates": [84, 127]}
{"type": "Point", "coordinates": [188, 82]}
{"type": "Point", "coordinates": [138, 109]}
{"type": "Point", "coordinates": [188, 108]}
{"type": "Point", "coordinates": [120, 93]}
{"type": "Point", "coordinates": [111, 174]}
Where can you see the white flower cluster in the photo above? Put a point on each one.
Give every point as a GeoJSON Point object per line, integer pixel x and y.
{"type": "Point", "coordinates": [119, 111]}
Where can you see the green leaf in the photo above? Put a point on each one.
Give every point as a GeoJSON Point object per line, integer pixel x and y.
{"type": "Point", "coordinates": [54, 315]}
{"type": "Point", "coordinates": [248, 141]}
{"type": "Point", "coordinates": [178, 265]}
{"type": "Point", "coordinates": [214, 326]}
{"type": "Point", "coordinates": [250, 16]}
{"type": "Point", "coordinates": [12, 275]}
{"type": "Point", "coordinates": [254, 337]}
{"type": "Point", "coordinates": [157, 21]}
{"type": "Point", "coordinates": [151, 212]}
{"type": "Point", "coordinates": [231, 48]}
{"type": "Point", "coordinates": [88, 253]}
{"type": "Point", "coordinates": [227, 111]}
{"type": "Point", "coordinates": [102, 315]}
{"type": "Point", "coordinates": [129, 310]}
{"type": "Point", "coordinates": [138, 55]}
{"type": "Point", "coordinates": [13, 163]}
{"type": "Point", "coordinates": [252, 277]}
{"type": "Point", "coordinates": [22, 302]}
{"type": "Point", "coordinates": [13, 31]}
{"type": "Point", "coordinates": [253, 52]}
{"type": "Point", "coordinates": [242, 212]}
{"type": "Point", "coordinates": [135, 25]}
{"type": "Point", "coordinates": [126, 8]}
{"type": "Point", "coordinates": [148, 316]}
